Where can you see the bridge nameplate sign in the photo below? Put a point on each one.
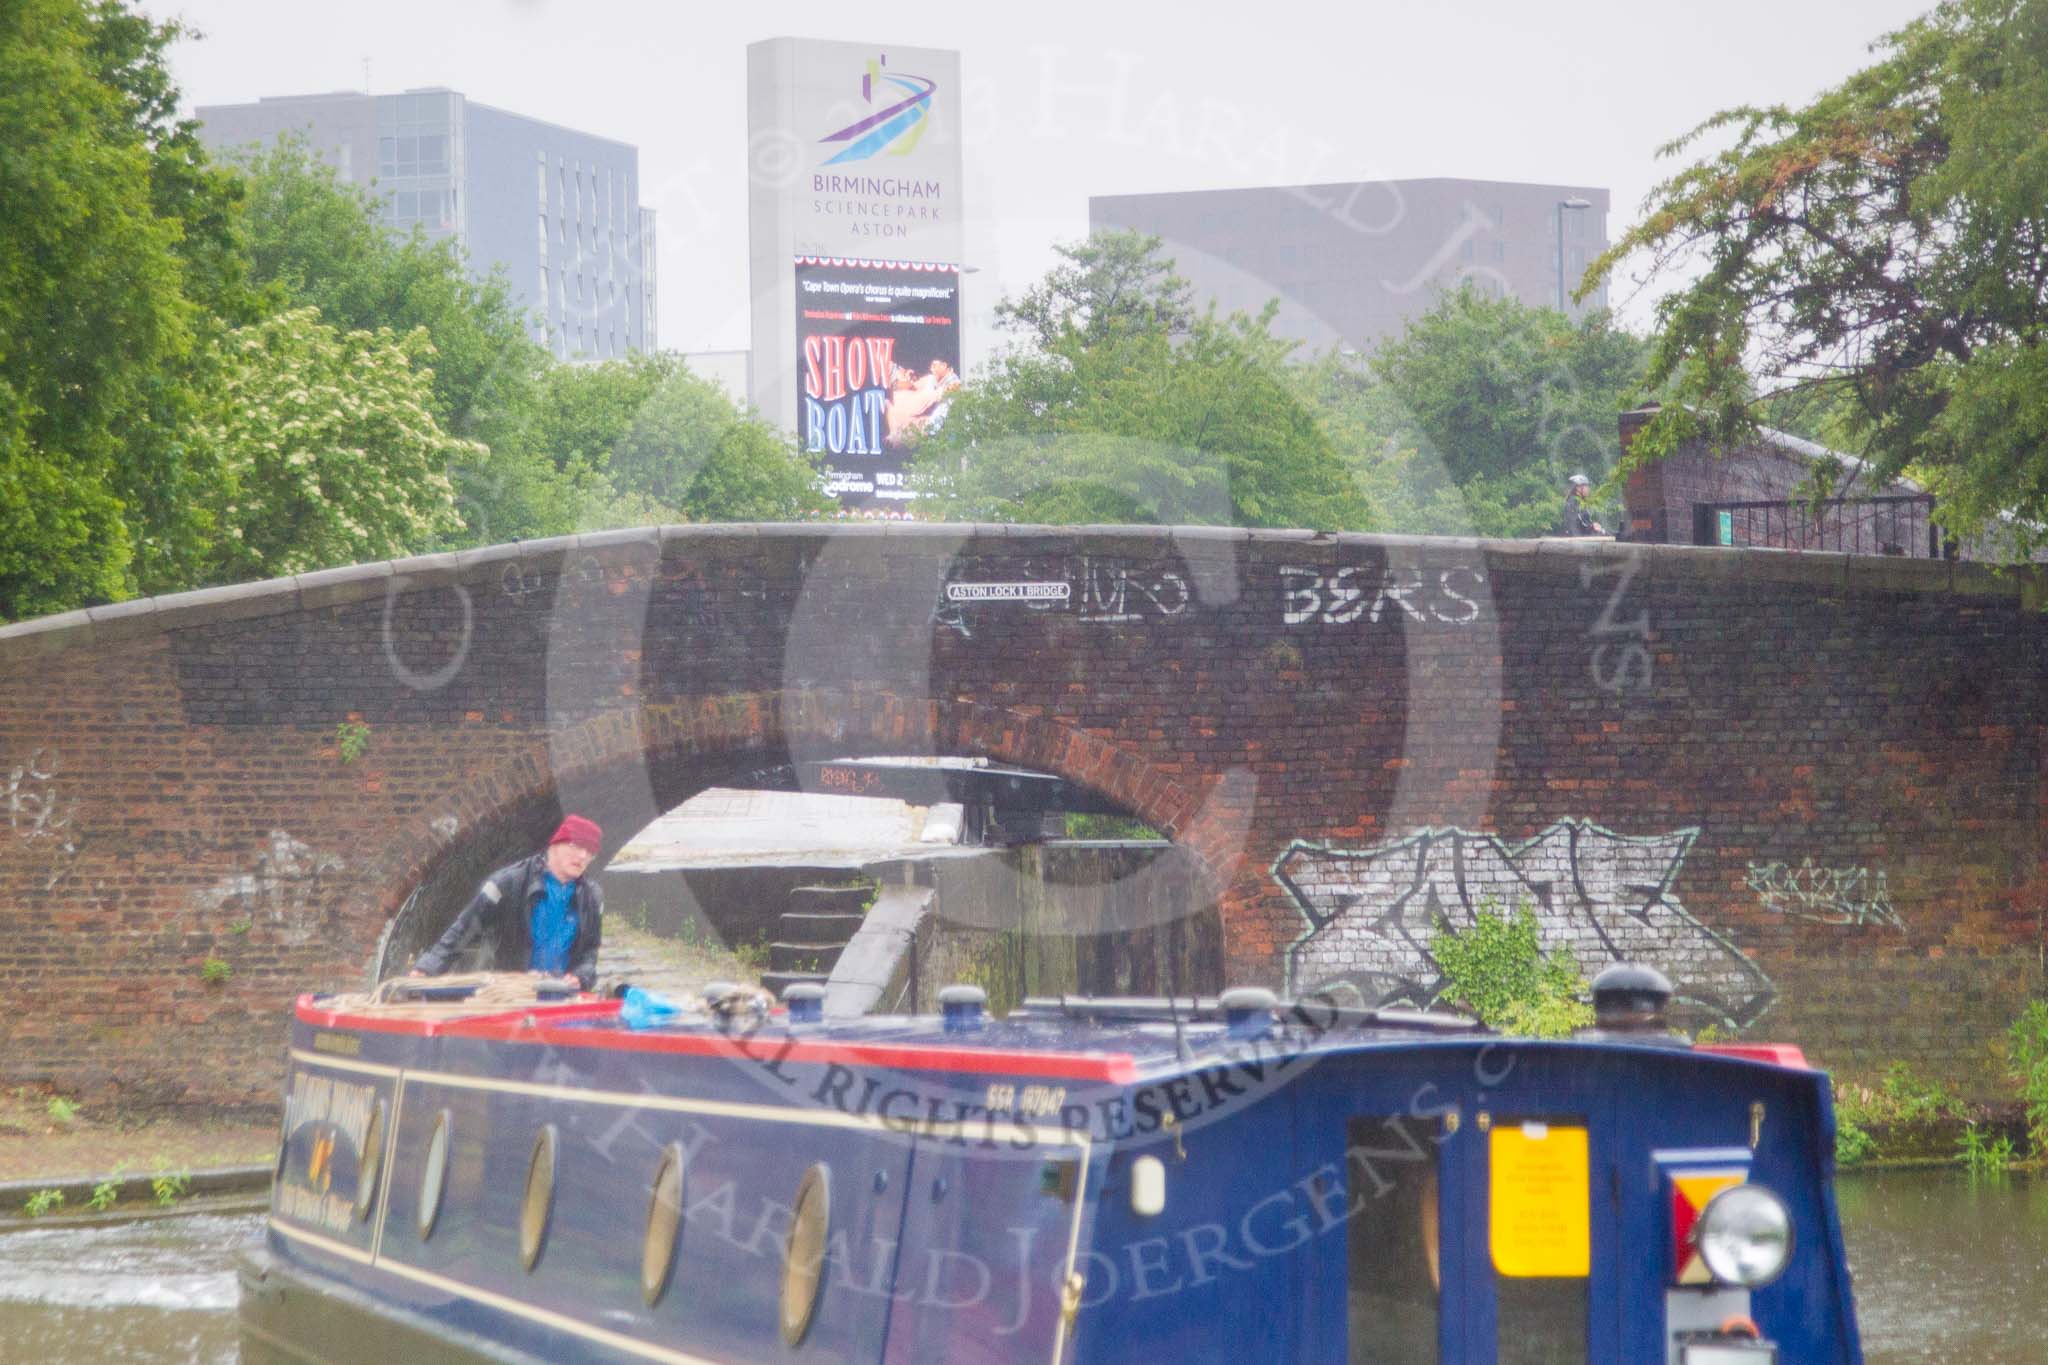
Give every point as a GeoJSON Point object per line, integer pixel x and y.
{"type": "Point", "coordinates": [1008, 592]}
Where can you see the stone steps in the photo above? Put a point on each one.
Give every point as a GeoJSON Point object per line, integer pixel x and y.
{"type": "Point", "coordinates": [775, 983]}
{"type": "Point", "coordinates": [810, 926]}
{"type": "Point", "coordinates": [805, 957]}
{"type": "Point", "coordinates": [842, 900]}
{"type": "Point", "coordinates": [813, 932]}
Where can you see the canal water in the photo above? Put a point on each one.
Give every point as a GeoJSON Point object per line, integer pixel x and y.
{"type": "Point", "coordinates": [157, 1291]}
{"type": "Point", "coordinates": [1949, 1271]}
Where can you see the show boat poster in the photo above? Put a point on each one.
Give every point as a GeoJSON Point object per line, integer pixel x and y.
{"type": "Point", "coordinates": [854, 153]}
{"type": "Point", "coordinates": [879, 348]}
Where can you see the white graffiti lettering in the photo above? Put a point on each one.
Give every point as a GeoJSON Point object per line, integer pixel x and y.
{"type": "Point", "coordinates": [1373, 913]}
{"type": "Point", "coordinates": [1313, 594]}
{"type": "Point", "coordinates": [284, 888]}
{"type": "Point", "coordinates": [39, 816]}
{"type": "Point", "coordinates": [1113, 592]}
{"type": "Point", "coordinates": [1827, 895]}
{"type": "Point", "coordinates": [35, 809]}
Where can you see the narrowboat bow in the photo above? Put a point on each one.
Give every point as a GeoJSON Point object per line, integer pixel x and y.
{"type": "Point", "coordinates": [1083, 1180]}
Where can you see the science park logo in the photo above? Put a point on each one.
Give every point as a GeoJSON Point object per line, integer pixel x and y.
{"type": "Point", "coordinates": [898, 125]}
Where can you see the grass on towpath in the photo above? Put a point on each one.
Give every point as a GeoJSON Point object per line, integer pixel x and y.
{"type": "Point", "coordinates": [42, 1141]}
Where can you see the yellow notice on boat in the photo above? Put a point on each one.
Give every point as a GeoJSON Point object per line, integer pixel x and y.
{"type": "Point", "coordinates": [1541, 1223]}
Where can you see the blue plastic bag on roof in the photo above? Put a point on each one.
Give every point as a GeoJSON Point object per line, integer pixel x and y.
{"type": "Point", "coordinates": [645, 1009]}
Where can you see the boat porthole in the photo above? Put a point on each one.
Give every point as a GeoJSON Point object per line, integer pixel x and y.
{"type": "Point", "coordinates": [371, 1158]}
{"type": "Point", "coordinates": [664, 1221]}
{"type": "Point", "coordinates": [540, 1197]}
{"type": "Point", "coordinates": [433, 1176]}
{"type": "Point", "coordinates": [803, 1252]}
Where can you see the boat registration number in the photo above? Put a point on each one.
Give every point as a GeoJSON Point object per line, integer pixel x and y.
{"type": "Point", "coordinates": [1033, 1101]}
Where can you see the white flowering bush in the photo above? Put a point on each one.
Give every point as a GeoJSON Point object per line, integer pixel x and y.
{"type": "Point", "coordinates": [329, 453]}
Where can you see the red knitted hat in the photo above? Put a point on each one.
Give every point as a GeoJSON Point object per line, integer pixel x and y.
{"type": "Point", "coordinates": [576, 830]}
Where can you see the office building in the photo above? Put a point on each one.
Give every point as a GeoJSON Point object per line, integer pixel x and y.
{"type": "Point", "coordinates": [559, 210]}
{"type": "Point", "coordinates": [1352, 263]}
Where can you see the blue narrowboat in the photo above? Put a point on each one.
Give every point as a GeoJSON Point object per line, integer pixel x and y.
{"type": "Point", "coordinates": [1082, 1180]}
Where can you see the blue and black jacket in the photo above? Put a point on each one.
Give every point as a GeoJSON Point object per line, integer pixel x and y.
{"type": "Point", "coordinates": [503, 907]}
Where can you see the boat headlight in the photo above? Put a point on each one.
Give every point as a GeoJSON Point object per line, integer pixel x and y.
{"type": "Point", "coordinates": [1745, 1236]}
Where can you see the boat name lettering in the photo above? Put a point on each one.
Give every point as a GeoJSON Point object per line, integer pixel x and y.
{"type": "Point", "coordinates": [341, 1044]}
{"type": "Point", "coordinates": [345, 1104]}
{"type": "Point", "coordinates": [332, 1211]}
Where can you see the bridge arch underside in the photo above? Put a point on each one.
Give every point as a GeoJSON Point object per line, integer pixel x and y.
{"type": "Point", "coordinates": [625, 775]}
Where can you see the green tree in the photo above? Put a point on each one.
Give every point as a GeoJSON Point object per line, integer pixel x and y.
{"type": "Point", "coordinates": [1489, 404]}
{"type": "Point", "coordinates": [1109, 283]}
{"type": "Point", "coordinates": [161, 475]}
{"type": "Point", "coordinates": [582, 411]}
{"type": "Point", "coordinates": [1124, 407]}
{"type": "Point", "coordinates": [330, 453]}
{"type": "Point", "coordinates": [95, 327]}
{"type": "Point", "coordinates": [686, 453]}
{"type": "Point", "coordinates": [1880, 252]}
{"type": "Point", "coordinates": [1376, 438]}
{"type": "Point", "coordinates": [186, 186]}
{"type": "Point", "coordinates": [322, 242]}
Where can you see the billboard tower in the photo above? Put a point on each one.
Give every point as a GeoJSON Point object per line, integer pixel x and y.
{"type": "Point", "coordinates": [855, 236]}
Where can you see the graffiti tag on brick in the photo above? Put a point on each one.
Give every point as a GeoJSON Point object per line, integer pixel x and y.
{"type": "Point", "coordinates": [282, 887]}
{"type": "Point", "coordinates": [1827, 895]}
{"type": "Point", "coordinates": [1114, 592]}
{"type": "Point", "coordinates": [39, 816]}
{"type": "Point", "coordinates": [1372, 913]}
{"type": "Point", "coordinates": [1321, 595]}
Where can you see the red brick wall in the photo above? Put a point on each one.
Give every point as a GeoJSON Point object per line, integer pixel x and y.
{"type": "Point", "coordinates": [1808, 781]}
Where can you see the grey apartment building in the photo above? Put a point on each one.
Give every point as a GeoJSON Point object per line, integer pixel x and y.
{"type": "Point", "coordinates": [558, 209]}
{"type": "Point", "coordinates": [1352, 263]}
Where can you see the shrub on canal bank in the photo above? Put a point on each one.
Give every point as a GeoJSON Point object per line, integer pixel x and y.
{"type": "Point", "coordinates": [2027, 1064]}
{"type": "Point", "coordinates": [1901, 1117]}
{"type": "Point", "coordinates": [1904, 1118]}
{"type": "Point", "coordinates": [168, 1186]}
{"type": "Point", "coordinates": [1984, 1158]}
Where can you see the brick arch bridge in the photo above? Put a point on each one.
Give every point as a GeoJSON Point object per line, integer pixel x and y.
{"type": "Point", "coordinates": [1807, 785]}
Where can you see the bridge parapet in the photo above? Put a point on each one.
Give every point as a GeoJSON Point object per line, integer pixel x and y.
{"type": "Point", "coordinates": [1806, 784]}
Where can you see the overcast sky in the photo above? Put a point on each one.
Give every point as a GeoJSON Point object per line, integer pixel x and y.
{"type": "Point", "coordinates": [1065, 100]}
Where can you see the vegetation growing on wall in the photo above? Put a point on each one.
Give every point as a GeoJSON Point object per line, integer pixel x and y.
{"type": "Point", "coordinates": [1497, 969]}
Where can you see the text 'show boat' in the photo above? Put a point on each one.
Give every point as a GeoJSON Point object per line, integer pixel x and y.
{"type": "Point", "coordinates": [1084, 1180]}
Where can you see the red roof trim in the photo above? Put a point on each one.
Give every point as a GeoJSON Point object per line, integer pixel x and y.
{"type": "Point", "coordinates": [511, 1026]}
{"type": "Point", "coordinates": [1778, 1054]}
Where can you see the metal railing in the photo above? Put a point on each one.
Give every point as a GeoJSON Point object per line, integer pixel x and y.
{"type": "Point", "coordinates": [1893, 524]}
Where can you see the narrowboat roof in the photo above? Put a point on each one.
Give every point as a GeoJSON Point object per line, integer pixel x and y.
{"type": "Point", "coordinates": [1113, 1040]}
